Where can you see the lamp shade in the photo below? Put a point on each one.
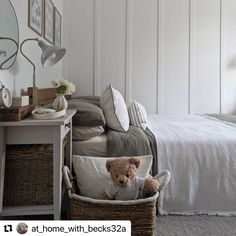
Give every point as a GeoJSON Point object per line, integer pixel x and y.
{"type": "Point", "coordinates": [50, 54]}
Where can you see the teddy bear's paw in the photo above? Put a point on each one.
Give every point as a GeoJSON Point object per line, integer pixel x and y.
{"type": "Point", "coordinates": [151, 186]}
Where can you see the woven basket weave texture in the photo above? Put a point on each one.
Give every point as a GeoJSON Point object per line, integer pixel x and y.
{"type": "Point", "coordinates": [28, 175]}
{"type": "Point", "coordinates": [142, 215]}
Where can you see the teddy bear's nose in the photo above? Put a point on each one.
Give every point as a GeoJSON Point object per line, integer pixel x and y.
{"type": "Point", "coordinates": [121, 181]}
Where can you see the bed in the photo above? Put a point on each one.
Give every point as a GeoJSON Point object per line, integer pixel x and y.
{"type": "Point", "coordinates": [199, 151]}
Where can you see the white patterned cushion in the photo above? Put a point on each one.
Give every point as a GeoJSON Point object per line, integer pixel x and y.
{"type": "Point", "coordinates": [115, 109]}
{"type": "Point", "coordinates": [92, 176]}
{"type": "Point", "coordinates": [137, 114]}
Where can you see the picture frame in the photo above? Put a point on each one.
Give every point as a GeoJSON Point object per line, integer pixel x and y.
{"type": "Point", "coordinates": [35, 16]}
{"type": "Point", "coordinates": [57, 27]}
{"type": "Point", "coordinates": [49, 21]}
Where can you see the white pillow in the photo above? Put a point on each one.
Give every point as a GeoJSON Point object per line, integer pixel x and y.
{"type": "Point", "coordinates": [86, 132]}
{"type": "Point", "coordinates": [114, 109]}
{"type": "Point", "coordinates": [137, 114]}
{"type": "Point", "coordinates": [92, 176]}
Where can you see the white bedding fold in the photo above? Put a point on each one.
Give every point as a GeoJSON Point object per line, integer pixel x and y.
{"type": "Point", "coordinates": [200, 153]}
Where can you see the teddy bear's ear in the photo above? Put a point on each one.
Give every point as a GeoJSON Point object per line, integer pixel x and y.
{"type": "Point", "coordinates": [108, 165]}
{"type": "Point", "coordinates": [135, 160]}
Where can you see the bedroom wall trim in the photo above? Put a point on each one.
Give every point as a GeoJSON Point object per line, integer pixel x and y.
{"type": "Point", "coordinates": [128, 49]}
{"type": "Point", "coordinates": [157, 74]}
{"type": "Point", "coordinates": [190, 56]}
{"type": "Point", "coordinates": [192, 84]}
{"type": "Point", "coordinates": [97, 49]}
{"type": "Point", "coordinates": [223, 15]}
{"type": "Point", "coordinates": [220, 50]}
{"type": "Point", "coordinates": [160, 26]}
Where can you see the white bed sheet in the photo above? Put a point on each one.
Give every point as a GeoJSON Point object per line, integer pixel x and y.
{"type": "Point", "coordinates": [200, 153]}
{"type": "Point", "coordinates": [96, 147]}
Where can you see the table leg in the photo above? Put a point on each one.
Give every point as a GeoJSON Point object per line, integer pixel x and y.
{"type": "Point", "coordinates": [2, 164]}
{"type": "Point", "coordinates": [69, 149]}
{"type": "Point", "coordinates": [57, 171]}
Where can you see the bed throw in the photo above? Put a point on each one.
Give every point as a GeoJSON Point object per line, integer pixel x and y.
{"type": "Point", "coordinates": [134, 142]}
{"type": "Point", "coordinates": [200, 153]}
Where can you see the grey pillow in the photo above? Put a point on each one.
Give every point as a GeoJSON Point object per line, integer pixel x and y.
{"type": "Point", "coordinates": [89, 99]}
{"type": "Point", "coordinates": [86, 132]}
{"type": "Point", "coordinates": [87, 114]}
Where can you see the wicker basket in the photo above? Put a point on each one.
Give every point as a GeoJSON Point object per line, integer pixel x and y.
{"type": "Point", "coordinates": [28, 175]}
{"type": "Point", "coordinates": [141, 212]}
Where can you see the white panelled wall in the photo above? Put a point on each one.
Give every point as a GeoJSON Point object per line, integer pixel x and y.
{"type": "Point", "coordinates": [173, 56]}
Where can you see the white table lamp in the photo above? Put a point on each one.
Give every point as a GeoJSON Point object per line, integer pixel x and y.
{"type": "Point", "coordinates": [50, 56]}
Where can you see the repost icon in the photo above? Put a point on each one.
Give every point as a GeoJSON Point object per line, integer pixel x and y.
{"type": "Point", "coordinates": [8, 228]}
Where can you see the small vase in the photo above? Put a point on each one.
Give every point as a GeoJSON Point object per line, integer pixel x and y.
{"type": "Point", "coordinates": [60, 102]}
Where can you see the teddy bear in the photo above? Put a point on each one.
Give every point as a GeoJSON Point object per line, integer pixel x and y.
{"type": "Point", "coordinates": [126, 185]}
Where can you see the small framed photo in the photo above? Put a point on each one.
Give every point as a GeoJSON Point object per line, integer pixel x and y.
{"type": "Point", "coordinates": [57, 27]}
{"type": "Point", "coordinates": [35, 15]}
{"type": "Point", "coordinates": [49, 21]}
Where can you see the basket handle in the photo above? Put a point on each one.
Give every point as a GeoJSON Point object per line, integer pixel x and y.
{"type": "Point", "coordinates": [166, 179]}
{"type": "Point", "coordinates": [67, 178]}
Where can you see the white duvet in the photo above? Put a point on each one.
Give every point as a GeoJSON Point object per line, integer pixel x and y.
{"type": "Point", "coordinates": [200, 153]}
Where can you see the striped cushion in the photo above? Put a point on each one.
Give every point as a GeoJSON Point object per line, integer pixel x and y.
{"type": "Point", "coordinates": [137, 114]}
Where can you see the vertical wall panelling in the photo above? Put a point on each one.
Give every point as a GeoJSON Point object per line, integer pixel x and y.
{"type": "Point", "coordinates": [80, 45]}
{"type": "Point", "coordinates": [192, 81]}
{"type": "Point", "coordinates": [175, 57]}
{"type": "Point", "coordinates": [223, 12]}
{"type": "Point", "coordinates": [189, 54]}
{"type": "Point", "coordinates": [128, 75]}
{"type": "Point", "coordinates": [157, 58]}
{"type": "Point", "coordinates": [144, 53]}
{"type": "Point", "coordinates": [96, 69]}
{"type": "Point", "coordinates": [65, 37]}
{"type": "Point", "coordinates": [229, 57]}
{"type": "Point", "coordinates": [205, 56]}
{"type": "Point", "coordinates": [160, 25]}
{"type": "Point", "coordinates": [112, 44]}
{"type": "Point", "coordinates": [222, 27]}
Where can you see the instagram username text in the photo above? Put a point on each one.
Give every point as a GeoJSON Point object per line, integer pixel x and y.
{"type": "Point", "coordinates": [80, 229]}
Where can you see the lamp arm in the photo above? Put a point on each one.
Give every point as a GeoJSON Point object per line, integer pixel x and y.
{"type": "Point", "coordinates": [34, 80]}
{"type": "Point", "coordinates": [21, 50]}
{"type": "Point", "coordinates": [17, 47]}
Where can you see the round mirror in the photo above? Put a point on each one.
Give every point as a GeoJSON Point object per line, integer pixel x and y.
{"type": "Point", "coordinates": [9, 34]}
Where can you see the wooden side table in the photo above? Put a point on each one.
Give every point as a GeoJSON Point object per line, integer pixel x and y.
{"type": "Point", "coordinates": [31, 131]}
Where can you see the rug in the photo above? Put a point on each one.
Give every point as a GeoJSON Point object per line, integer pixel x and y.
{"type": "Point", "coordinates": [195, 226]}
